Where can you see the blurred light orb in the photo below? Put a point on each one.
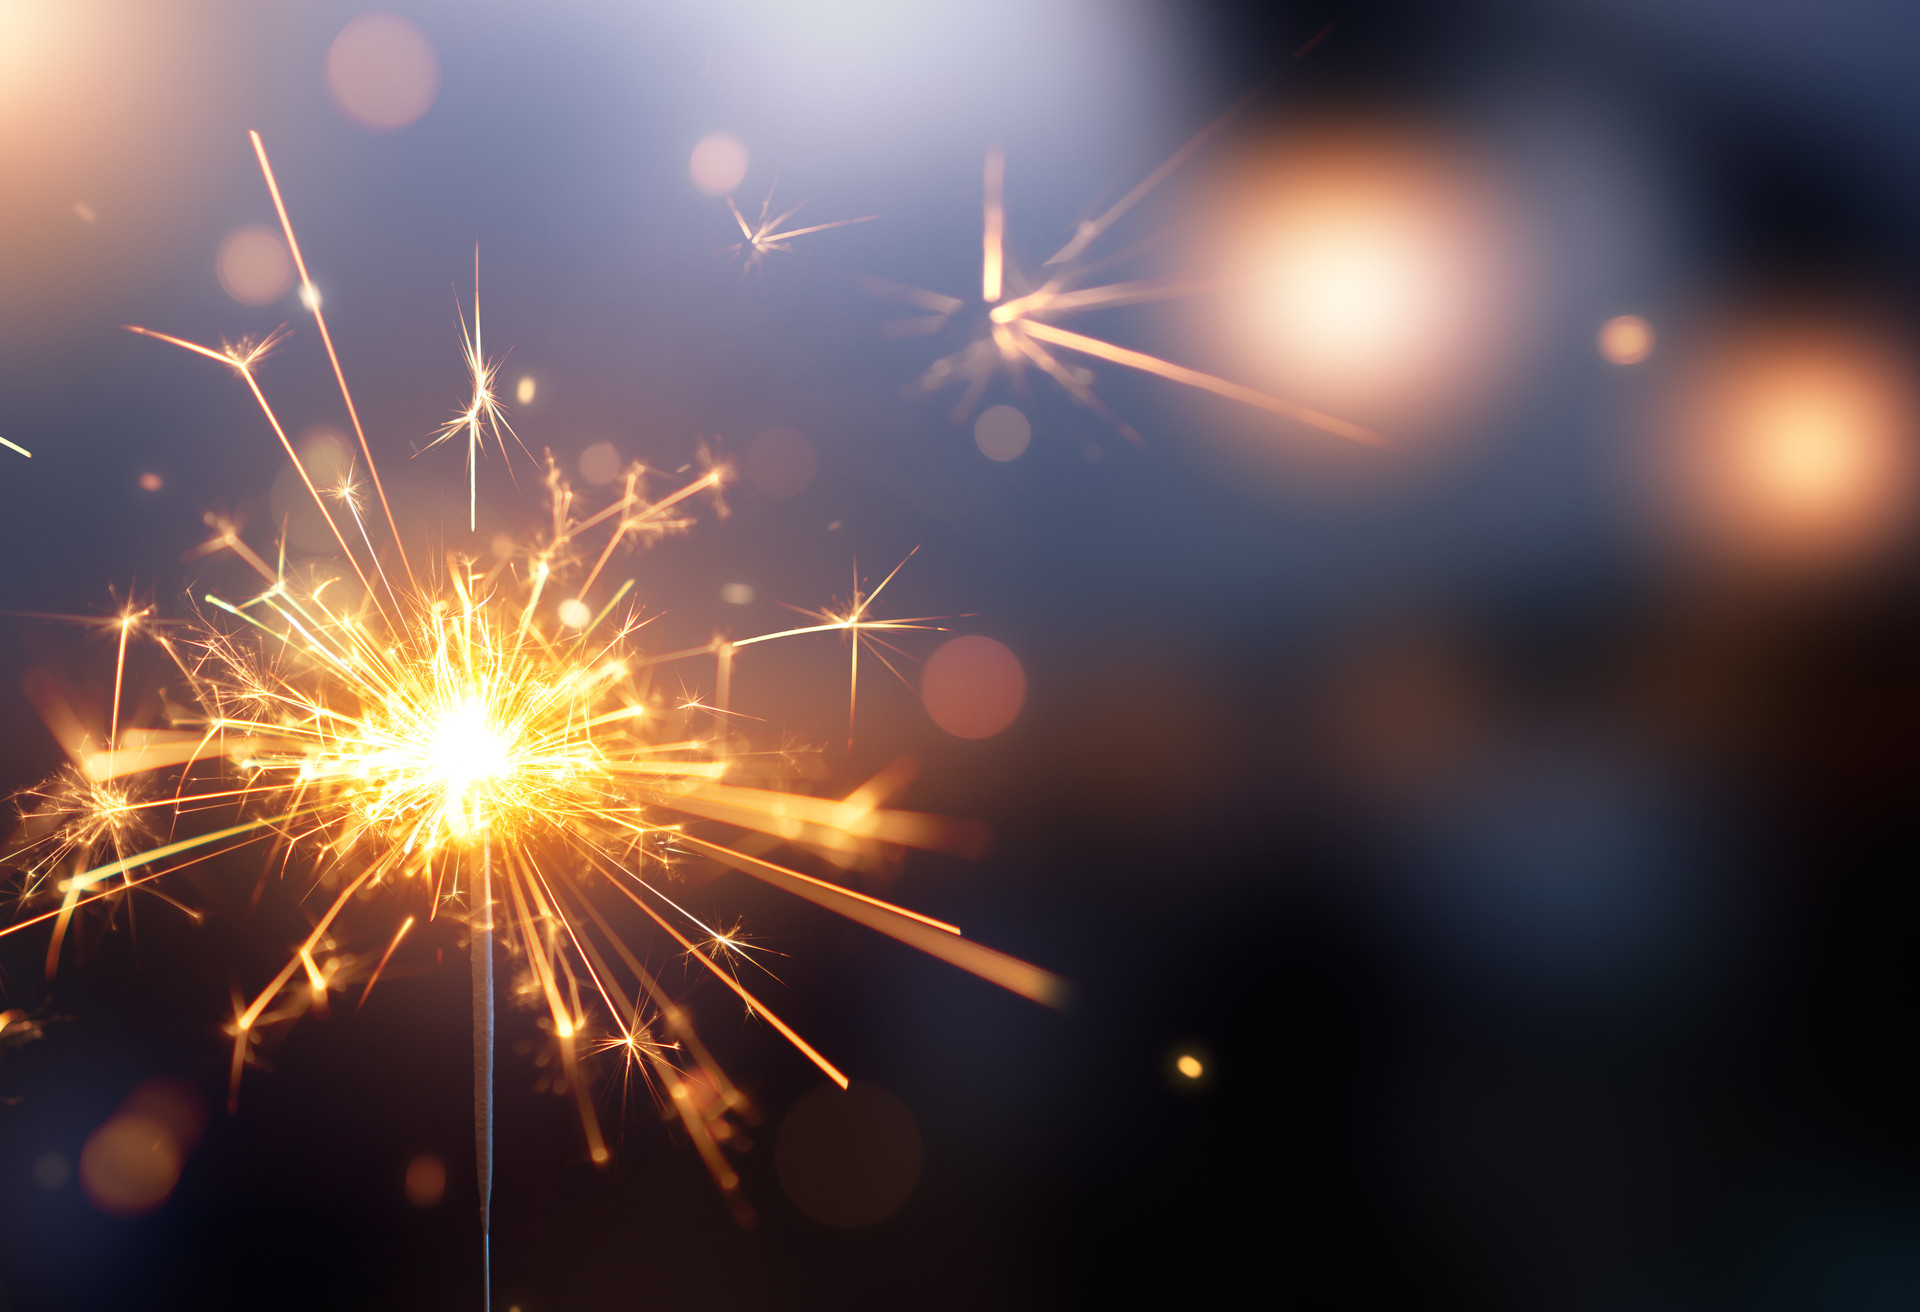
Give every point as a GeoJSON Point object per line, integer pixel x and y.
{"type": "Point", "coordinates": [574, 613]}
{"type": "Point", "coordinates": [1794, 446]}
{"type": "Point", "coordinates": [1626, 339]}
{"type": "Point", "coordinates": [1189, 1067]}
{"type": "Point", "coordinates": [600, 463]}
{"type": "Point", "coordinates": [426, 1180]}
{"type": "Point", "coordinates": [973, 687]}
{"type": "Point", "coordinates": [524, 390]}
{"type": "Point", "coordinates": [382, 72]}
{"type": "Point", "coordinates": [254, 266]}
{"type": "Point", "coordinates": [718, 163]}
{"type": "Point", "coordinates": [1377, 273]}
{"type": "Point", "coordinates": [130, 1165]}
{"type": "Point", "coordinates": [309, 296]}
{"type": "Point", "coordinates": [737, 594]}
{"type": "Point", "coordinates": [1002, 433]}
{"type": "Point", "coordinates": [781, 462]}
{"type": "Point", "coordinates": [848, 1157]}
{"type": "Point", "coordinates": [151, 482]}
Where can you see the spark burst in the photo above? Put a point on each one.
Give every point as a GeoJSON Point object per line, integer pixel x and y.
{"type": "Point", "coordinates": [1013, 322]}
{"type": "Point", "coordinates": [765, 235]}
{"type": "Point", "coordinates": [428, 741]}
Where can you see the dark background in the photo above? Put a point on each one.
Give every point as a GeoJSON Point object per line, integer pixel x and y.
{"type": "Point", "coordinates": [1589, 989]}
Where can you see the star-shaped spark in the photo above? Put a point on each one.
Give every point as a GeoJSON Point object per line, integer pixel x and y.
{"type": "Point", "coordinates": [852, 618]}
{"type": "Point", "coordinates": [767, 234]}
{"type": "Point", "coordinates": [484, 415]}
{"type": "Point", "coordinates": [1016, 330]}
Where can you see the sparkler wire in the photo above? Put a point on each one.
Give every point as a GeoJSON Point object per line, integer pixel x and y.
{"type": "Point", "coordinates": [483, 1048]}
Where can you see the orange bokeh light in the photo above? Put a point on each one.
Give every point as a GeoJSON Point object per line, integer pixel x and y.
{"type": "Point", "coordinates": [1374, 273]}
{"type": "Point", "coordinates": [1626, 339]}
{"type": "Point", "coordinates": [973, 687]}
{"type": "Point", "coordinates": [254, 266]}
{"type": "Point", "coordinates": [426, 1181]}
{"type": "Point", "coordinates": [1793, 446]}
{"type": "Point", "coordinates": [132, 1162]}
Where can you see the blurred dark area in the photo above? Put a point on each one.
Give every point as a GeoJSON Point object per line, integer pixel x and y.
{"type": "Point", "coordinates": [1513, 829]}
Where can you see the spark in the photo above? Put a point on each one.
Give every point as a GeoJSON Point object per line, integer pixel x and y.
{"type": "Point", "coordinates": [444, 743]}
{"type": "Point", "coordinates": [483, 414]}
{"type": "Point", "coordinates": [15, 446]}
{"type": "Point", "coordinates": [852, 620]}
{"type": "Point", "coordinates": [765, 235]}
{"type": "Point", "coordinates": [1014, 328]}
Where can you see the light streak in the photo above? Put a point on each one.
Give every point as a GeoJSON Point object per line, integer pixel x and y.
{"type": "Point", "coordinates": [435, 739]}
{"type": "Point", "coordinates": [1016, 331]}
{"type": "Point", "coordinates": [15, 446]}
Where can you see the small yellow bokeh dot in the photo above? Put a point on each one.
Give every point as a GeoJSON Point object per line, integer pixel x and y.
{"type": "Point", "coordinates": [1190, 1066]}
{"type": "Point", "coordinates": [574, 613]}
{"type": "Point", "coordinates": [524, 390]}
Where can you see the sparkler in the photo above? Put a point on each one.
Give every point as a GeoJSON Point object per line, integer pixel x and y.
{"type": "Point", "coordinates": [428, 739]}
{"type": "Point", "coordinates": [1014, 319]}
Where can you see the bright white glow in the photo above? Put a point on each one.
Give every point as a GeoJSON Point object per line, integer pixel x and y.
{"type": "Point", "coordinates": [466, 750]}
{"type": "Point", "coordinates": [1371, 272]}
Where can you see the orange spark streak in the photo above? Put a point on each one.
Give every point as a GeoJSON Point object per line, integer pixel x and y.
{"type": "Point", "coordinates": [994, 238]}
{"type": "Point", "coordinates": [385, 957]}
{"type": "Point", "coordinates": [1205, 382]}
{"type": "Point", "coordinates": [313, 303]}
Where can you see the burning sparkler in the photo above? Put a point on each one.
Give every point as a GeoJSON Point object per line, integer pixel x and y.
{"type": "Point", "coordinates": [1015, 328]}
{"type": "Point", "coordinates": [431, 740]}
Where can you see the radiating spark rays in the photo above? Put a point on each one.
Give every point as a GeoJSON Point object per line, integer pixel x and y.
{"type": "Point", "coordinates": [853, 622]}
{"type": "Point", "coordinates": [766, 235]}
{"type": "Point", "coordinates": [1017, 326]}
{"type": "Point", "coordinates": [484, 414]}
{"type": "Point", "coordinates": [445, 742]}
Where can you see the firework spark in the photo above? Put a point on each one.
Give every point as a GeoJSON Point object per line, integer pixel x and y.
{"type": "Point", "coordinates": [443, 739]}
{"type": "Point", "coordinates": [15, 446]}
{"type": "Point", "coordinates": [483, 415]}
{"type": "Point", "coordinates": [1014, 318]}
{"type": "Point", "coordinates": [766, 234]}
